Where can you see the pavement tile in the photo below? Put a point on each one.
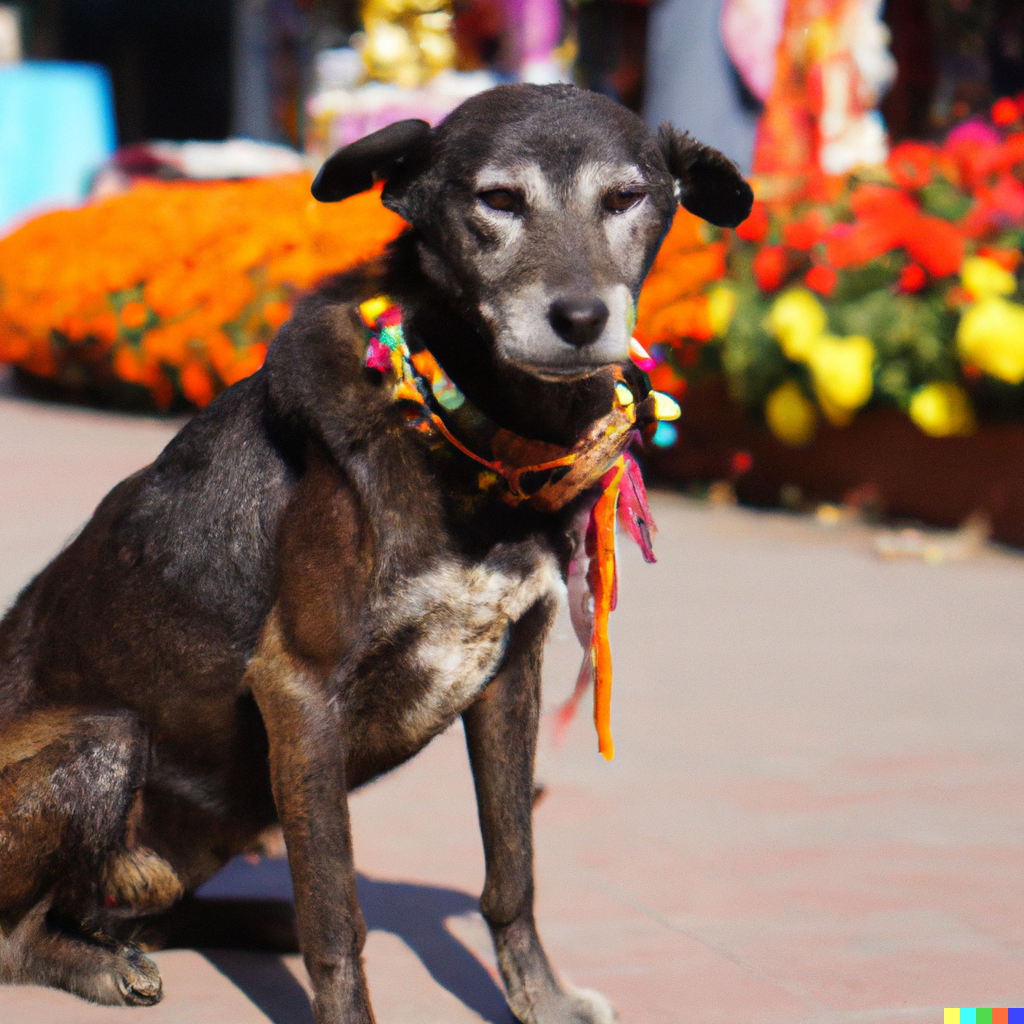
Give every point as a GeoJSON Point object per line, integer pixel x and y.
{"type": "Point", "coordinates": [813, 816]}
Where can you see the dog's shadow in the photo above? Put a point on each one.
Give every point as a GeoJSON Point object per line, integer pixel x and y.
{"type": "Point", "coordinates": [417, 914]}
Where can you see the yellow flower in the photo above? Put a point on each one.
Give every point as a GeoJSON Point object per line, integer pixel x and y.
{"type": "Point", "coordinates": [790, 414]}
{"type": "Point", "coordinates": [991, 337]}
{"type": "Point", "coordinates": [797, 319]}
{"type": "Point", "coordinates": [984, 278]}
{"type": "Point", "coordinates": [721, 308]}
{"type": "Point", "coordinates": [942, 410]}
{"type": "Point", "coordinates": [841, 371]}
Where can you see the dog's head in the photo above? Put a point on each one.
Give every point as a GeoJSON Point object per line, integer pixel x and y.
{"type": "Point", "coordinates": [541, 209]}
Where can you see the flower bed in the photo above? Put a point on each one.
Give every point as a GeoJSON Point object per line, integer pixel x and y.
{"type": "Point", "coordinates": [897, 286]}
{"type": "Point", "coordinates": [170, 292]}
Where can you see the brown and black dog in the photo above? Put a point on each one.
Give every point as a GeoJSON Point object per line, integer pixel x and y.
{"type": "Point", "coordinates": [294, 598]}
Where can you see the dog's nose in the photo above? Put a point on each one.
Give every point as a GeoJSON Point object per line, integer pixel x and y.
{"type": "Point", "coordinates": [578, 321]}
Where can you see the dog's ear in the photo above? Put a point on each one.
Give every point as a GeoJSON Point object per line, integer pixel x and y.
{"type": "Point", "coordinates": [360, 165]}
{"type": "Point", "coordinates": [710, 184]}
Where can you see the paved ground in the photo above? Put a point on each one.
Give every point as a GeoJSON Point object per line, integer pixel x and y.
{"type": "Point", "coordinates": [814, 815]}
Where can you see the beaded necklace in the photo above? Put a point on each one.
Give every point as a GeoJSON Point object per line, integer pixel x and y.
{"type": "Point", "coordinates": [545, 476]}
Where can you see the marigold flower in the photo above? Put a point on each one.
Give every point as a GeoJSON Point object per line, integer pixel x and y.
{"type": "Point", "coordinates": [275, 313]}
{"type": "Point", "coordinates": [912, 279]}
{"type": "Point", "coordinates": [821, 279]}
{"type": "Point", "coordinates": [942, 409]}
{"type": "Point", "coordinates": [196, 385]}
{"type": "Point", "coordinates": [990, 336]}
{"type": "Point", "coordinates": [769, 267]}
{"type": "Point", "coordinates": [790, 414]}
{"type": "Point", "coordinates": [134, 315]}
{"type": "Point", "coordinates": [797, 319]}
{"type": "Point", "coordinates": [755, 227]}
{"type": "Point", "coordinates": [983, 277]}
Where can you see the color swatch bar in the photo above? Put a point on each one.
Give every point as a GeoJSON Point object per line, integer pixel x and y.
{"type": "Point", "coordinates": [983, 1015]}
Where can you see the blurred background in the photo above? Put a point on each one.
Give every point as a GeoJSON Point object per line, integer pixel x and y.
{"type": "Point", "coordinates": [859, 340]}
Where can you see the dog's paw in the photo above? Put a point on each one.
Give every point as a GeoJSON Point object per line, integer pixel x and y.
{"type": "Point", "coordinates": [588, 1007]}
{"type": "Point", "coordinates": [137, 978]}
{"type": "Point", "coordinates": [573, 1006]}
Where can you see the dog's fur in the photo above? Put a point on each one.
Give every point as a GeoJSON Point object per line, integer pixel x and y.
{"type": "Point", "coordinates": [290, 602]}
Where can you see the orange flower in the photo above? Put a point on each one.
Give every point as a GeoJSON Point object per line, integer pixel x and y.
{"type": "Point", "coordinates": [822, 279]}
{"type": "Point", "coordinates": [104, 328]}
{"type": "Point", "coordinates": [196, 385]}
{"type": "Point", "coordinates": [275, 313]}
{"type": "Point", "coordinates": [246, 364]}
{"type": "Point", "coordinates": [134, 315]}
{"type": "Point", "coordinates": [769, 267]}
{"type": "Point", "coordinates": [755, 227]}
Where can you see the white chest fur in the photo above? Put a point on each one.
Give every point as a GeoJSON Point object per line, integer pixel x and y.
{"type": "Point", "coordinates": [463, 612]}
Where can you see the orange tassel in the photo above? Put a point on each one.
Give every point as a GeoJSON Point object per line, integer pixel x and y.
{"type": "Point", "coordinates": [601, 577]}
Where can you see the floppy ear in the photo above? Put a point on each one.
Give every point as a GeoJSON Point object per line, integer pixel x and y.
{"type": "Point", "coordinates": [358, 166]}
{"type": "Point", "coordinates": [710, 184]}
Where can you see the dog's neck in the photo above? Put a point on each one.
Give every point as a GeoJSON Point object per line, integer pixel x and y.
{"type": "Point", "coordinates": [552, 411]}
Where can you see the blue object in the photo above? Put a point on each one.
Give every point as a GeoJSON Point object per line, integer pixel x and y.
{"type": "Point", "coordinates": [665, 436]}
{"type": "Point", "coordinates": [56, 129]}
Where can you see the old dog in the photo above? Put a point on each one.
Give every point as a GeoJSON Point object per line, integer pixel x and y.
{"type": "Point", "coordinates": [343, 553]}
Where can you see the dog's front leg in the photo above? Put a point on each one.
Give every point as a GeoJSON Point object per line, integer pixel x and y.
{"type": "Point", "coordinates": [501, 733]}
{"type": "Point", "coordinates": [305, 729]}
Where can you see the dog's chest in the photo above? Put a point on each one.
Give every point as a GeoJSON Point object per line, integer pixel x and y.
{"type": "Point", "coordinates": [457, 618]}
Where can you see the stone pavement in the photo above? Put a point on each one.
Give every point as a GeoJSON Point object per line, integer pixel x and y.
{"type": "Point", "coordinates": [815, 814]}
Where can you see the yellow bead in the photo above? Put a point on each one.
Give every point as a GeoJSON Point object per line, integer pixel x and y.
{"type": "Point", "coordinates": [371, 309]}
{"type": "Point", "coordinates": [624, 395]}
{"type": "Point", "coordinates": [665, 406]}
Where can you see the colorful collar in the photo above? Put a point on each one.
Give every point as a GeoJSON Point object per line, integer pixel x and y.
{"type": "Point", "coordinates": [545, 476]}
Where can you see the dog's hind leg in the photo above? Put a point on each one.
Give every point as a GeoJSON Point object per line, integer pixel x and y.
{"type": "Point", "coordinates": [501, 734]}
{"type": "Point", "coordinates": [69, 866]}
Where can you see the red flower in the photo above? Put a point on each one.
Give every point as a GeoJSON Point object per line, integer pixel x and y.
{"type": "Point", "coordinates": [854, 245]}
{"type": "Point", "coordinates": [755, 227]}
{"type": "Point", "coordinates": [912, 279]}
{"type": "Point", "coordinates": [1005, 111]}
{"type": "Point", "coordinates": [804, 234]}
{"type": "Point", "coordinates": [769, 267]}
{"type": "Point", "coordinates": [869, 201]}
{"type": "Point", "coordinates": [910, 164]}
{"type": "Point", "coordinates": [822, 279]}
{"type": "Point", "coordinates": [937, 245]}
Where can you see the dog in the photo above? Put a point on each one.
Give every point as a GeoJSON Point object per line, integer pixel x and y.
{"type": "Point", "coordinates": [317, 575]}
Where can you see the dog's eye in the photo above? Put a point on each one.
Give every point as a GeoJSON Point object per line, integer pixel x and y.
{"type": "Point", "coordinates": [502, 199]}
{"type": "Point", "coordinates": [620, 202]}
